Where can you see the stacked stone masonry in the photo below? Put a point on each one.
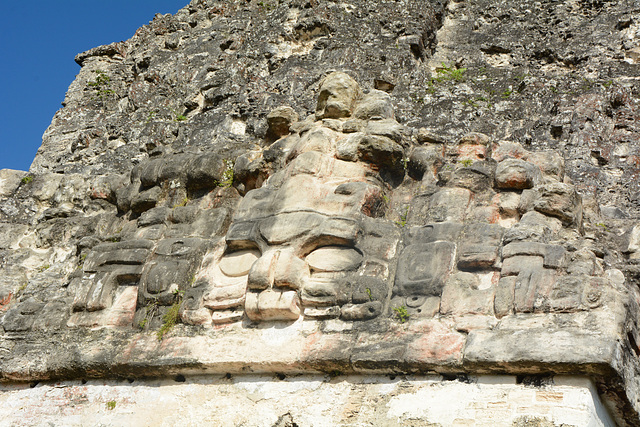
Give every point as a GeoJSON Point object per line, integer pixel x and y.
{"type": "Point", "coordinates": [254, 192]}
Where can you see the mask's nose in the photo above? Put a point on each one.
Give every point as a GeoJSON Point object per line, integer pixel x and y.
{"type": "Point", "coordinates": [278, 268]}
{"type": "Point", "coordinates": [273, 282]}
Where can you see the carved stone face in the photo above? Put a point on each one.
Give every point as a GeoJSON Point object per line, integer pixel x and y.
{"type": "Point", "coordinates": [294, 247]}
{"type": "Point", "coordinates": [304, 243]}
{"type": "Point", "coordinates": [338, 95]}
{"type": "Point", "coordinates": [106, 294]}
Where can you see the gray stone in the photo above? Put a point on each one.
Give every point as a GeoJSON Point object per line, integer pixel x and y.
{"type": "Point", "coordinates": [364, 311]}
{"type": "Point", "coordinates": [561, 201]}
{"type": "Point", "coordinates": [375, 105]}
{"type": "Point", "coordinates": [479, 246]}
{"type": "Point", "coordinates": [423, 269]}
{"type": "Point", "coordinates": [517, 174]}
{"type": "Point", "coordinates": [337, 97]}
{"type": "Point", "coordinates": [279, 121]}
{"type": "Point", "coordinates": [464, 293]}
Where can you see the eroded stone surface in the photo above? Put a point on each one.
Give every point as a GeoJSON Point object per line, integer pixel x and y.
{"type": "Point", "coordinates": [461, 206]}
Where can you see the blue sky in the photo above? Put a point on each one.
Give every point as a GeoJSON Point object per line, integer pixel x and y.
{"type": "Point", "coordinates": [38, 41]}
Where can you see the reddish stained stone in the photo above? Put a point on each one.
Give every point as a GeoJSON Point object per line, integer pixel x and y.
{"type": "Point", "coordinates": [436, 343]}
{"type": "Point", "coordinates": [4, 302]}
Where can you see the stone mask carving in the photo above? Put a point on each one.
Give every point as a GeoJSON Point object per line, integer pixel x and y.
{"type": "Point", "coordinates": [297, 244]}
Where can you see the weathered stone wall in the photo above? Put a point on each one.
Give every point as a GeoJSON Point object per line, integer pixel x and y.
{"type": "Point", "coordinates": [305, 187]}
{"type": "Point", "coordinates": [310, 401]}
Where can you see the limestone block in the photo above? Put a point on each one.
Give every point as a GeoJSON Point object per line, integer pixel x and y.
{"type": "Point", "coordinates": [364, 311]}
{"type": "Point", "coordinates": [149, 171]}
{"type": "Point", "coordinates": [102, 257]}
{"type": "Point", "coordinates": [172, 268]}
{"type": "Point", "coordinates": [279, 120]}
{"type": "Point", "coordinates": [508, 202]}
{"type": "Point", "coordinates": [375, 105]}
{"type": "Point", "coordinates": [337, 96]}
{"type": "Point", "coordinates": [565, 295]}
{"type": "Point", "coordinates": [479, 246]}
{"type": "Point", "coordinates": [225, 316]}
{"type": "Point", "coordinates": [208, 222]}
{"type": "Point", "coordinates": [334, 258]}
{"type": "Point", "coordinates": [585, 262]}
{"type": "Point", "coordinates": [262, 272]}
{"type": "Point", "coordinates": [154, 216]}
{"type": "Point", "coordinates": [242, 232]}
{"type": "Point", "coordinates": [417, 306]}
{"type": "Point", "coordinates": [250, 171]}
{"type": "Point", "coordinates": [554, 255]}
{"type": "Point", "coordinates": [164, 275]}
{"type": "Point", "coordinates": [477, 177]}
{"type": "Point", "coordinates": [423, 268]}
{"type": "Point", "coordinates": [321, 290]}
{"type": "Point", "coordinates": [94, 292]}
{"type": "Point", "coordinates": [474, 146]}
{"type": "Point", "coordinates": [238, 263]}
{"type": "Point", "coordinates": [561, 201]}
{"type": "Point", "coordinates": [533, 226]}
{"type": "Point", "coordinates": [205, 171]}
{"type": "Point", "coordinates": [527, 200]}
{"type": "Point", "coordinates": [531, 287]}
{"type": "Point", "coordinates": [347, 148]}
{"type": "Point", "coordinates": [275, 155]}
{"type": "Point", "coordinates": [434, 232]}
{"type": "Point", "coordinates": [289, 271]}
{"type": "Point", "coordinates": [550, 162]}
{"type": "Point", "coordinates": [125, 195]}
{"type": "Point", "coordinates": [10, 180]}
{"type": "Point", "coordinates": [353, 125]}
{"type": "Point", "coordinates": [175, 167]}
{"type": "Point", "coordinates": [54, 315]}
{"type": "Point", "coordinates": [270, 305]}
{"type": "Point", "coordinates": [387, 128]}
{"type": "Point", "coordinates": [513, 265]}
{"type": "Point", "coordinates": [21, 317]}
{"type": "Point", "coordinates": [508, 149]}
{"type": "Point", "coordinates": [505, 291]}
{"type": "Point", "coordinates": [333, 124]}
{"type": "Point", "coordinates": [146, 199]}
{"type": "Point", "coordinates": [446, 205]}
{"type": "Point", "coordinates": [201, 316]}
{"type": "Point", "coordinates": [123, 309]}
{"type": "Point", "coordinates": [338, 231]}
{"type": "Point", "coordinates": [382, 152]}
{"type": "Point", "coordinates": [319, 140]}
{"type": "Point", "coordinates": [119, 311]}
{"type": "Point", "coordinates": [468, 293]}
{"type": "Point", "coordinates": [515, 174]}
{"type": "Point", "coordinates": [597, 291]}
{"type": "Point", "coordinates": [225, 296]}
{"type": "Point", "coordinates": [321, 313]}
{"type": "Point", "coordinates": [575, 292]}
{"type": "Point", "coordinates": [425, 160]}
{"type": "Point", "coordinates": [368, 288]}
{"type": "Point", "coordinates": [278, 268]}
{"type": "Point", "coordinates": [634, 242]}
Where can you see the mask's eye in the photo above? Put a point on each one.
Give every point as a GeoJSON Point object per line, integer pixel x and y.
{"type": "Point", "coordinates": [334, 258]}
{"type": "Point", "coordinates": [238, 263]}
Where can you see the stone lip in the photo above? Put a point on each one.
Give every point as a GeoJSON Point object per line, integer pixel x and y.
{"type": "Point", "coordinates": [379, 347]}
{"type": "Point", "coordinates": [420, 347]}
